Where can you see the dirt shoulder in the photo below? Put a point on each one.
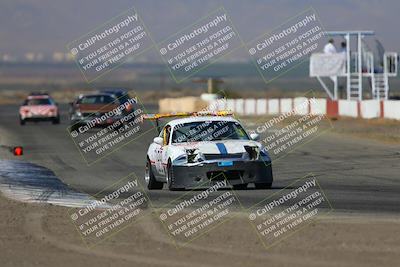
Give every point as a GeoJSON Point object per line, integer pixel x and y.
{"type": "Point", "coordinates": [381, 130]}
{"type": "Point", "coordinates": [43, 235]}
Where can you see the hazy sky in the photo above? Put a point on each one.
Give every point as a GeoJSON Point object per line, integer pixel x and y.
{"type": "Point", "coordinates": [48, 25]}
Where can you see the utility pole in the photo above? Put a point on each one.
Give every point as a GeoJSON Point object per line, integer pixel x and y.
{"type": "Point", "coordinates": [212, 84]}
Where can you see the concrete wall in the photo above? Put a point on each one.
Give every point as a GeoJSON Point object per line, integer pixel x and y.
{"type": "Point", "coordinates": [262, 106]}
{"type": "Point", "coordinates": [348, 108]}
{"type": "Point", "coordinates": [391, 109]}
{"type": "Point", "coordinates": [239, 106]}
{"type": "Point", "coordinates": [318, 106]}
{"type": "Point", "coordinates": [301, 105]}
{"type": "Point", "coordinates": [188, 104]}
{"type": "Point", "coordinates": [230, 104]}
{"type": "Point", "coordinates": [370, 109]}
{"type": "Point", "coordinates": [286, 105]}
{"type": "Point", "coordinates": [273, 106]}
{"type": "Point", "coordinates": [366, 109]}
{"type": "Point", "coordinates": [250, 106]}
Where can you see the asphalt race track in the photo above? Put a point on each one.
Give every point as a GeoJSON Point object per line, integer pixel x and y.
{"type": "Point", "coordinates": [357, 175]}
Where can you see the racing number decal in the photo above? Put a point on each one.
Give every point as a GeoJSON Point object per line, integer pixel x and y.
{"type": "Point", "coordinates": [158, 159]}
{"type": "Point", "coordinates": [164, 159]}
{"type": "Point", "coordinates": [161, 153]}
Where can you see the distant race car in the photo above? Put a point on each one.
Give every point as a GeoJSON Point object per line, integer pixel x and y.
{"type": "Point", "coordinates": [122, 95]}
{"type": "Point", "coordinates": [200, 150]}
{"type": "Point", "coordinates": [86, 108]}
{"type": "Point", "coordinates": [117, 92]}
{"type": "Point", "coordinates": [39, 107]}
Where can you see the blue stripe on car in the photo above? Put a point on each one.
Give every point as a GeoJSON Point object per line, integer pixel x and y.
{"type": "Point", "coordinates": [222, 148]}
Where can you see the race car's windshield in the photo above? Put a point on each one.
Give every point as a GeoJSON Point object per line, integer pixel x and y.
{"type": "Point", "coordinates": [37, 102]}
{"type": "Point", "coordinates": [121, 96]}
{"type": "Point", "coordinates": [123, 99]}
{"type": "Point", "coordinates": [96, 99]}
{"type": "Point", "coordinates": [208, 131]}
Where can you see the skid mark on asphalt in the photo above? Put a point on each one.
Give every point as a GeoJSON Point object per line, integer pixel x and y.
{"type": "Point", "coordinates": [27, 182]}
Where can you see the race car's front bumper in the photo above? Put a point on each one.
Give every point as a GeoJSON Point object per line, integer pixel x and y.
{"type": "Point", "coordinates": [39, 117]}
{"type": "Point", "coordinates": [208, 173]}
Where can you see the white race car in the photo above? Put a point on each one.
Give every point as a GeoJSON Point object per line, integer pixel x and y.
{"type": "Point", "coordinates": [198, 151]}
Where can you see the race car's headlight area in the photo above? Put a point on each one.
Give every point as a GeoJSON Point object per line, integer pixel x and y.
{"type": "Point", "coordinates": [180, 160]}
{"type": "Point", "coordinates": [194, 155]}
{"type": "Point", "coordinates": [199, 157]}
{"type": "Point", "coordinates": [253, 152]}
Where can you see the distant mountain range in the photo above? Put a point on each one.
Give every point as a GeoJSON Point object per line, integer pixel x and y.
{"type": "Point", "coordinates": [46, 26]}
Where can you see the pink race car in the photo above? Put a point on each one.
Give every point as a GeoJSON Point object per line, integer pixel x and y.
{"type": "Point", "coordinates": [39, 107]}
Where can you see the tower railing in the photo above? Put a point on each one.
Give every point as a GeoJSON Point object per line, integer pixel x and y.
{"type": "Point", "coordinates": [359, 64]}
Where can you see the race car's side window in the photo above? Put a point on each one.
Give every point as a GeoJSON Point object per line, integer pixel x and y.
{"type": "Point", "coordinates": [167, 134]}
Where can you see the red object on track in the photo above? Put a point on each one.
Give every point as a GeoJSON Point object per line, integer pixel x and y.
{"type": "Point", "coordinates": [18, 151]}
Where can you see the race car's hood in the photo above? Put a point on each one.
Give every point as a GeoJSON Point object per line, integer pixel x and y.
{"type": "Point", "coordinates": [38, 109]}
{"type": "Point", "coordinates": [93, 108]}
{"type": "Point", "coordinates": [220, 147]}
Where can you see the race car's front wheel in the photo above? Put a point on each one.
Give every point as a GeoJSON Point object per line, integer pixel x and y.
{"type": "Point", "coordinates": [170, 178]}
{"type": "Point", "coordinates": [56, 120]}
{"type": "Point", "coordinates": [151, 181]}
{"type": "Point", "coordinates": [21, 121]}
{"type": "Point", "coordinates": [239, 186]}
